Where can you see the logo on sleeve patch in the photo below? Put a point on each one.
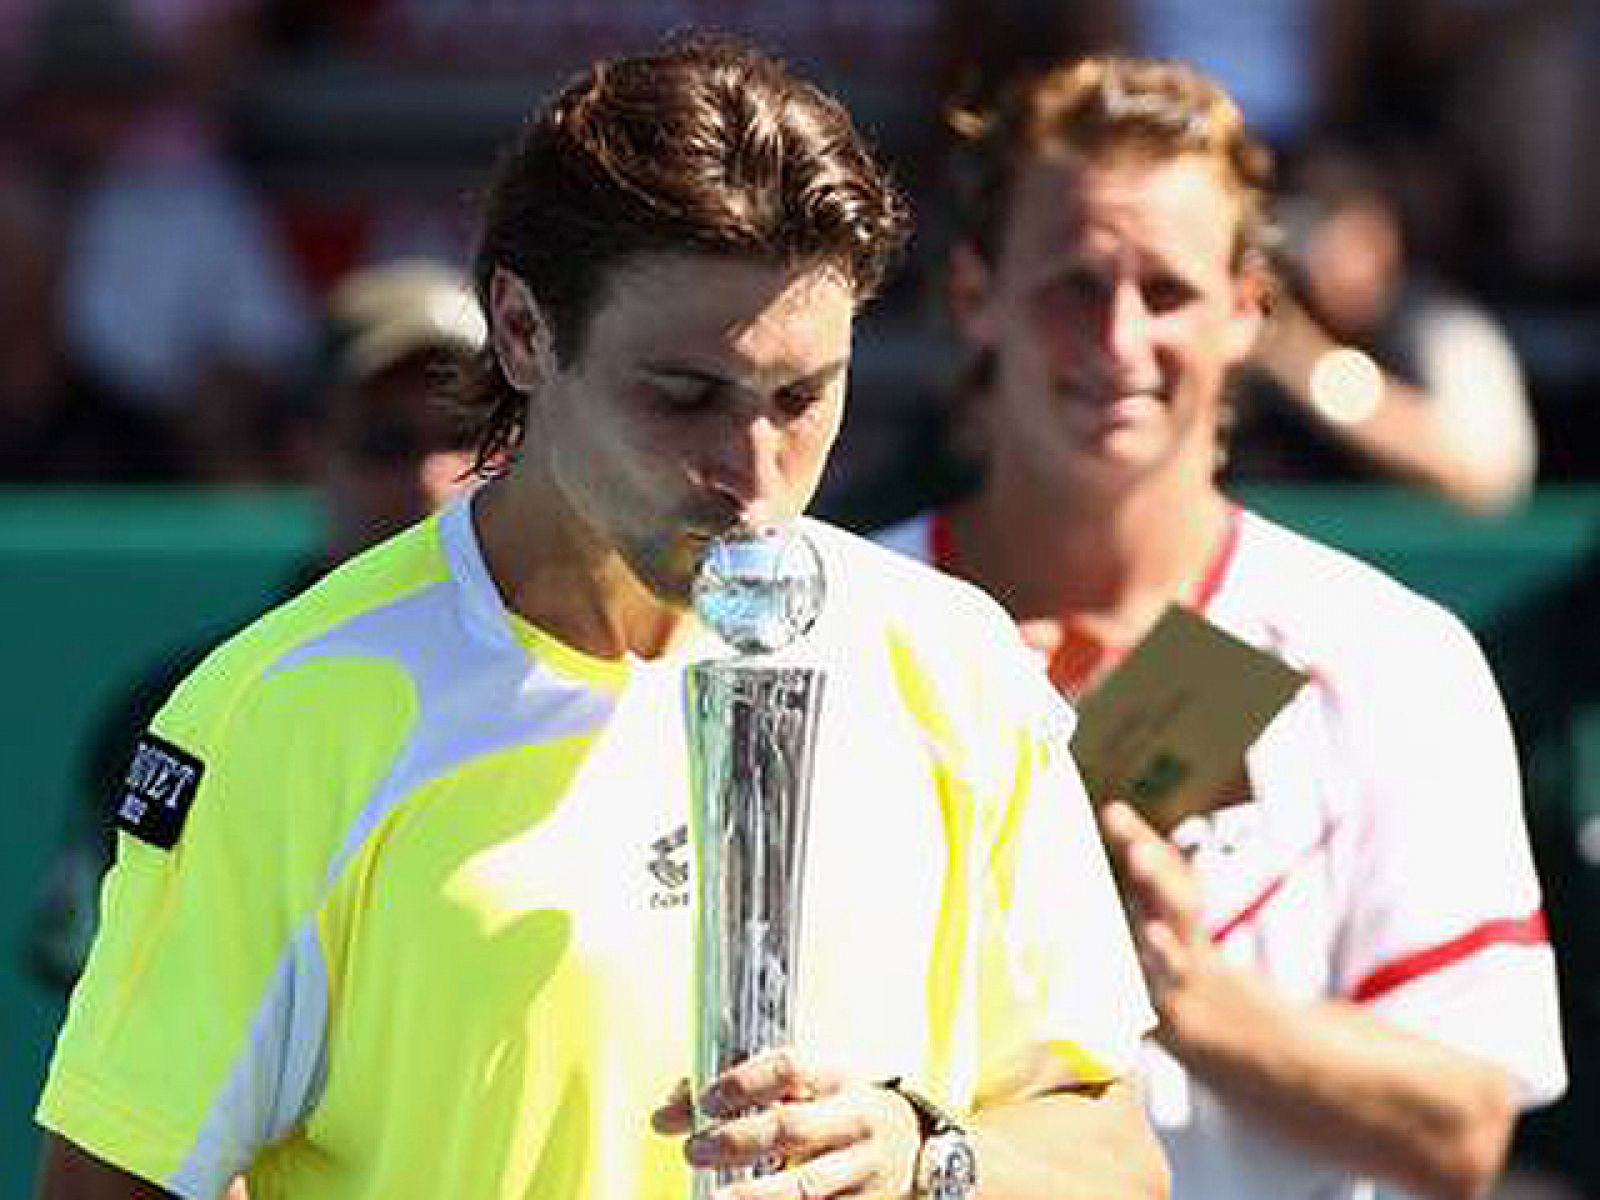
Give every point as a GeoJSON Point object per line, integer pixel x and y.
{"type": "Point", "coordinates": [159, 788]}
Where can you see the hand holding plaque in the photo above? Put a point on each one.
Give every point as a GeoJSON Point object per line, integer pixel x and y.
{"type": "Point", "coordinates": [1168, 730]}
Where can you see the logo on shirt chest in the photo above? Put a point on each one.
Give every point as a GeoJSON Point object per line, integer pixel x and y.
{"type": "Point", "coordinates": [669, 866]}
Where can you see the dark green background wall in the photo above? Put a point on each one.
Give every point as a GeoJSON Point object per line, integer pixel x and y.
{"type": "Point", "coordinates": [94, 588]}
{"type": "Point", "coordinates": [97, 586]}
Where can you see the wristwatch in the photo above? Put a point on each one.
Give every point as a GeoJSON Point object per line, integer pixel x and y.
{"type": "Point", "coordinates": [946, 1168]}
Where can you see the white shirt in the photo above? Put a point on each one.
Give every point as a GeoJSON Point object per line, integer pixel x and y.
{"type": "Point", "coordinates": [1384, 859]}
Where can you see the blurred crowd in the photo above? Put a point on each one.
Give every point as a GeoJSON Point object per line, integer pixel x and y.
{"type": "Point", "coordinates": [184, 183]}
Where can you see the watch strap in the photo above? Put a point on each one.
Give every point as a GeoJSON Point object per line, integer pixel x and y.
{"type": "Point", "coordinates": [945, 1168]}
{"type": "Point", "coordinates": [931, 1119]}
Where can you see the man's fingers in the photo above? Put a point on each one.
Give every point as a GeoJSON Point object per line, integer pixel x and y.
{"type": "Point", "coordinates": [1146, 860]}
{"type": "Point", "coordinates": [1161, 955]}
{"type": "Point", "coordinates": [783, 1131]}
{"type": "Point", "coordinates": [844, 1172]}
{"type": "Point", "coordinates": [855, 1140]}
{"type": "Point", "coordinates": [774, 1077]}
{"type": "Point", "coordinates": [1121, 824]}
{"type": "Point", "coordinates": [1129, 840]}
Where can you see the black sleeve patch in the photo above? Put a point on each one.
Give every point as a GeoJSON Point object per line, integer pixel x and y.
{"type": "Point", "coordinates": [160, 786]}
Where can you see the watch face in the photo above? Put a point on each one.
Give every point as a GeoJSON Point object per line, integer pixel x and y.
{"type": "Point", "coordinates": [951, 1168]}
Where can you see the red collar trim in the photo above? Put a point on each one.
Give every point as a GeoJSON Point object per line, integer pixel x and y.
{"type": "Point", "coordinates": [942, 552]}
{"type": "Point", "coordinates": [1217, 570]}
{"type": "Point", "coordinates": [942, 541]}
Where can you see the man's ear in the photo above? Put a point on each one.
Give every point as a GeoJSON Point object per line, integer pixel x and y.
{"type": "Point", "coordinates": [1252, 297]}
{"type": "Point", "coordinates": [968, 290]}
{"type": "Point", "coordinates": [520, 334]}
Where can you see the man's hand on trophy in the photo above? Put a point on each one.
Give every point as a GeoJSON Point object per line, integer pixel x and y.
{"type": "Point", "coordinates": [835, 1136]}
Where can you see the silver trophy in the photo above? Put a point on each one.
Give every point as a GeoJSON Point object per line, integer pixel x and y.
{"type": "Point", "coordinates": [752, 726]}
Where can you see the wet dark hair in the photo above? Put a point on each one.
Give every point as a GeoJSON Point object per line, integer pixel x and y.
{"type": "Point", "coordinates": [706, 145]}
{"type": "Point", "coordinates": [1104, 108]}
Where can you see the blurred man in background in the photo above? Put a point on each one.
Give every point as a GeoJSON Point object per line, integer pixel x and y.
{"type": "Point", "coordinates": [1345, 943]}
{"type": "Point", "coordinates": [395, 449]}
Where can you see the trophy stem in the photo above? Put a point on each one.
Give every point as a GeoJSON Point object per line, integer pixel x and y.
{"type": "Point", "coordinates": [752, 738]}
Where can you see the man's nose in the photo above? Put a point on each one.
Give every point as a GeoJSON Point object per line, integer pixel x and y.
{"type": "Point", "coordinates": [741, 465]}
{"type": "Point", "coordinates": [1126, 325]}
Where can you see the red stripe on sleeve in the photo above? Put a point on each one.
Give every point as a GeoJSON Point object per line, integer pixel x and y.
{"type": "Point", "coordinates": [1519, 931]}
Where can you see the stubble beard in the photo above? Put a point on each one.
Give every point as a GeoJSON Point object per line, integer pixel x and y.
{"type": "Point", "coordinates": [665, 567]}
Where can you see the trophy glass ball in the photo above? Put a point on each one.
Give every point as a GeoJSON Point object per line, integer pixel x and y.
{"type": "Point", "coordinates": [759, 590]}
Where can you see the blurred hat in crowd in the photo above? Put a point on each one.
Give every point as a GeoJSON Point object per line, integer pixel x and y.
{"type": "Point", "coordinates": [385, 313]}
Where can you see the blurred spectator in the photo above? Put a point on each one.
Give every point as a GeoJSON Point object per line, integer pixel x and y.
{"type": "Point", "coordinates": [1374, 368]}
{"type": "Point", "coordinates": [391, 451]}
{"type": "Point", "coordinates": [54, 427]}
{"type": "Point", "coordinates": [176, 303]}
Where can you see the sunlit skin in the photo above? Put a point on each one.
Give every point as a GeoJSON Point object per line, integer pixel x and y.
{"type": "Point", "coordinates": [707, 395]}
{"type": "Point", "coordinates": [1115, 310]}
{"type": "Point", "coordinates": [841, 1136]}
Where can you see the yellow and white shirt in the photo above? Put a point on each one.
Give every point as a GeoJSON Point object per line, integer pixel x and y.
{"type": "Point", "coordinates": [426, 929]}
